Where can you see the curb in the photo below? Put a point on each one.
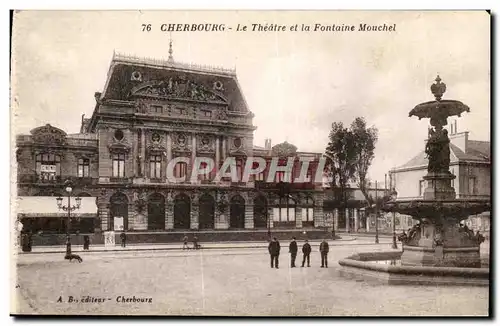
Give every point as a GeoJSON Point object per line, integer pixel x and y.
{"type": "Point", "coordinates": [264, 246]}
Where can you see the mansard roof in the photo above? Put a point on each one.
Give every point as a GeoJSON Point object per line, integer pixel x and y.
{"type": "Point", "coordinates": [129, 74]}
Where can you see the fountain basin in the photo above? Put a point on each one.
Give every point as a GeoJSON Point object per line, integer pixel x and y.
{"type": "Point", "coordinates": [367, 266]}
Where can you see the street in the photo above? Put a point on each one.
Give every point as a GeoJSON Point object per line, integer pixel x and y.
{"type": "Point", "coordinates": [224, 282]}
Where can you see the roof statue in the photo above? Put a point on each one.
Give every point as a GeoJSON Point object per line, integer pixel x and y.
{"type": "Point", "coordinates": [170, 51]}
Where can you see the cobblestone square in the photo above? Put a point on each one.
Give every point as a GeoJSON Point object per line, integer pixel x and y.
{"type": "Point", "coordinates": [236, 282]}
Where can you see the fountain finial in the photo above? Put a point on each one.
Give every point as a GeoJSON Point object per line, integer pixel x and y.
{"type": "Point", "coordinates": [438, 88]}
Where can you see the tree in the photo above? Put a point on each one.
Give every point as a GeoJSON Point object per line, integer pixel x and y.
{"type": "Point", "coordinates": [364, 148]}
{"type": "Point", "coordinates": [341, 162]}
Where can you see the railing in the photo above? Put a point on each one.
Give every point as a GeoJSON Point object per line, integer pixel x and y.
{"type": "Point", "coordinates": [120, 180]}
{"type": "Point", "coordinates": [163, 62]}
{"type": "Point", "coordinates": [274, 186]}
{"type": "Point", "coordinates": [82, 142]}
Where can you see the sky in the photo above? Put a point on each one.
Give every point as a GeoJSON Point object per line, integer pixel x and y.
{"type": "Point", "coordinates": [296, 83]}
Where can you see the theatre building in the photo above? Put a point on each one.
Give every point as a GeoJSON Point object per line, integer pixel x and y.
{"type": "Point", "coordinates": [152, 113]}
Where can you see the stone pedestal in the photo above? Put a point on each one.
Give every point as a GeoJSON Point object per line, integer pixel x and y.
{"type": "Point", "coordinates": [439, 240]}
{"type": "Point", "coordinates": [439, 186]}
{"type": "Point", "coordinates": [442, 244]}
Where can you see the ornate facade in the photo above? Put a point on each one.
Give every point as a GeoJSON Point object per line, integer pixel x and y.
{"type": "Point", "coordinates": [150, 114]}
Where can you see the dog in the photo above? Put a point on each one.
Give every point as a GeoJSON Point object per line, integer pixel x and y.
{"type": "Point", "coordinates": [70, 257]}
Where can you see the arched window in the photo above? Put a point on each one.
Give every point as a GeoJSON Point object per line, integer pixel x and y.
{"type": "Point", "coordinates": [48, 166]}
{"type": "Point", "coordinates": [118, 212]}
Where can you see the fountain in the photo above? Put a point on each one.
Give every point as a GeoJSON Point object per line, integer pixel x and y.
{"type": "Point", "coordinates": [438, 244]}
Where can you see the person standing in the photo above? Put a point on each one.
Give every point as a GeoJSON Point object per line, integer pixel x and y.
{"type": "Point", "coordinates": [306, 252]}
{"type": "Point", "coordinates": [292, 249]}
{"type": "Point", "coordinates": [123, 237]}
{"type": "Point", "coordinates": [274, 251]}
{"type": "Point", "coordinates": [68, 246]}
{"type": "Point", "coordinates": [323, 249]}
{"type": "Point", "coordinates": [185, 245]}
{"type": "Point", "coordinates": [195, 243]}
{"type": "Point", "coordinates": [86, 242]}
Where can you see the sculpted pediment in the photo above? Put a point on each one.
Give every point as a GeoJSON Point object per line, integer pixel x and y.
{"type": "Point", "coordinates": [48, 135]}
{"type": "Point", "coordinates": [119, 148]}
{"type": "Point", "coordinates": [178, 88]}
{"type": "Point", "coordinates": [156, 149]}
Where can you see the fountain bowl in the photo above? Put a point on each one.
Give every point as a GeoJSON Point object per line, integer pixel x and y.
{"type": "Point", "coordinates": [365, 266]}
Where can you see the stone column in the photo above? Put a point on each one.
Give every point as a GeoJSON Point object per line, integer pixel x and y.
{"type": "Point", "coordinates": [224, 144]}
{"type": "Point", "coordinates": [298, 217]}
{"type": "Point", "coordinates": [135, 154]}
{"type": "Point", "coordinates": [194, 223]}
{"type": "Point", "coordinates": [249, 214]}
{"type": "Point", "coordinates": [356, 220]}
{"type": "Point", "coordinates": [193, 156]}
{"type": "Point", "coordinates": [217, 153]}
{"type": "Point", "coordinates": [270, 217]}
{"type": "Point", "coordinates": [169, 213]}
{"type": "Point", "coordinates": [143, 153]}
{"type": "Point", "coordinates": [336, 218]}
{"type": "Point", "coordinates": [169, 147]}
{"type": "Point", "coordinates": [318, 214]}
{"type": "Point", "coordinates": [103, 212]}
{"type": "Point", "coordinates": [347, 219]}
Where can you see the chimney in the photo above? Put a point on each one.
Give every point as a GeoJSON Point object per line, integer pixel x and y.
{"type": "Point", "coordinates": [82, 126]}
{"type": "Point", "coordinates": [268, 144]}
{"type": "Point", "coordinates": [460, 140]}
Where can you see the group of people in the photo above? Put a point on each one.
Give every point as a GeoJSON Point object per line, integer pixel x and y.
{"type": "Point", "coordinates": [274, 251]}
{"type": "Point", "coordinates": [196, 244]}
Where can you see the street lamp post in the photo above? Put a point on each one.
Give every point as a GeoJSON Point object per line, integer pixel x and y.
{"type": "Point", "coordinates": [376, 212]}
{"type": "Point", "coordinates": [69, 209]}
{"type": "Point", "coordinates": [268, 224]}
{"type": "Point", "coordinates": [394, 196]}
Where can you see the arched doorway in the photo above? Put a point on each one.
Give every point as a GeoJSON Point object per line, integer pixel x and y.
{"type": "Point", "coordinates": [118, 208]}
{"type": "Point", "coordinates": [237, 213]}
{"type": "Point", "coordinates": [207, 210]}
{"type": "Point", "coordinates": [260, 212]}
{"type": "Point", "coordinates": [156, 212]}
{"type": "Point", "coordinates": [182, 212]}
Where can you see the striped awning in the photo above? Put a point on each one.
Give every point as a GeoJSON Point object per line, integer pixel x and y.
{"type": "Point", "coordinates": [40, 206]}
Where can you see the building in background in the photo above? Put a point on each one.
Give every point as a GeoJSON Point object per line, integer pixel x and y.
{"type": "Point", "coordinates": [355, 217]}
{"type": "Point", "coordinates": [150, 113]}
{"type": "Point", "coordinates": [470, 162]}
